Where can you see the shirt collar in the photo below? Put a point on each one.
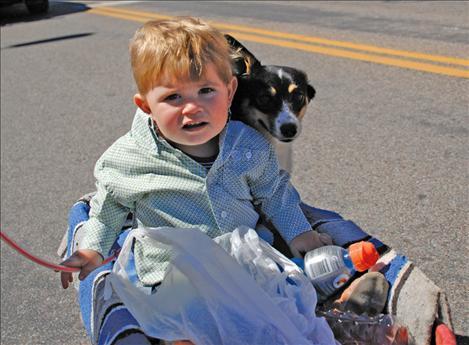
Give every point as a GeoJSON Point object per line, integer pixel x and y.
{"type": "Point", "coordinates": [143, 131]}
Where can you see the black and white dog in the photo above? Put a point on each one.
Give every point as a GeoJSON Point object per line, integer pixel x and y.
{"type": "Point", "coordinates": [273, 99]}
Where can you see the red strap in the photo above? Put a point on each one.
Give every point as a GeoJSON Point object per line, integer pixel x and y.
{"type": "Point", "coordinates": [45, 263]}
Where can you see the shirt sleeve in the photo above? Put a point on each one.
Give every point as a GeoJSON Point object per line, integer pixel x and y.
{"type": "Point", "coordinates": [103, 227]}
{"type": "Point", "coordinates": [279, 201]}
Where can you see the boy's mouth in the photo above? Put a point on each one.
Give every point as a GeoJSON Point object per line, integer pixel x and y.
{"type": "Point", "coordinates": [194, 125]}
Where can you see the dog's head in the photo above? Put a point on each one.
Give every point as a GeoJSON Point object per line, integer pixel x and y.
{"type": "Point", "coordinates": [269, 98]}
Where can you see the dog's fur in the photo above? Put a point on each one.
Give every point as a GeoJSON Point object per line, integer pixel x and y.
{"type": "Point", "coordinates": [273, 99]}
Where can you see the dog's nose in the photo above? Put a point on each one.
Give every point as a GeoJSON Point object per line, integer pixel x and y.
{"type": "Point", "coordinates": [288, 130]}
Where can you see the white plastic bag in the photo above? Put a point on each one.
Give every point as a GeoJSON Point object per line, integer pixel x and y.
{"type": "Point", "coordinates": [212, 298]}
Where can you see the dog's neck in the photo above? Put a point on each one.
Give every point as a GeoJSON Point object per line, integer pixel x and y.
{"type": "Point", "coordinates": [284, 154]}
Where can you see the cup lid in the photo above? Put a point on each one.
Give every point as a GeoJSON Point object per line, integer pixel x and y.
{"type": "Point", "coordinates": [363, 255]}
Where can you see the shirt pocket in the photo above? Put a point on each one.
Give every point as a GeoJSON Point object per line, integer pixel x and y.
{"type": "Point", "coordinates": [237, 171]}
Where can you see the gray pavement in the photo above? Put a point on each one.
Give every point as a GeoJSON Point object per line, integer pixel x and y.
{"type": "Point", "coordinates": [382, 145]}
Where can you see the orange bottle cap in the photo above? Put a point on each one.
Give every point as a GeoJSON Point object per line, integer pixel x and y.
{"type": "Point", "coordinates": [363, 255]}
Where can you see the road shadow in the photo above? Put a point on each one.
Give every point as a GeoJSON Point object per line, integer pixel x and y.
{"type": "Point", "coordinates": [462, 340]}
{"type": "Point", "coordinates": [59, 38]}
{"type": "Point", "coordinates": [18, 13]}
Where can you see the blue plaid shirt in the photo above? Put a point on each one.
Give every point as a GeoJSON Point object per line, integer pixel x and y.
{"type": "Point", "coordinates": [162, 186]}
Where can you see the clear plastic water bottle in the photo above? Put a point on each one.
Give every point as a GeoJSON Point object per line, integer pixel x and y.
{"type": "Point", "coordinates": [353, 329]}
{"type": "Point", "coordinates": [330, 267]}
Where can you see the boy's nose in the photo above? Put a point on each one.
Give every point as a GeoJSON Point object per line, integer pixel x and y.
{"type": "Point", "coordinates": [191, 108]}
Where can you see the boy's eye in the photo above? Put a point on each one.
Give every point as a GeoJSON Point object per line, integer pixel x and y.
{"type": "Point", "coordinates": [172, 97]}
{"type": "Point", "coordinates": [206, 90]}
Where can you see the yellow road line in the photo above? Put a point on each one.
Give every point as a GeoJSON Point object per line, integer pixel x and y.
{"type": "Point", "coordinates": [145, 16]}
{"type": "Point", "coordinates": [104, 12]}
{"type": "Point", "coordinates": [357, 56]}
{"type": "Point", "coordinates": [310, 39]}
{"type": "Point", "coordinates": [349, 45]}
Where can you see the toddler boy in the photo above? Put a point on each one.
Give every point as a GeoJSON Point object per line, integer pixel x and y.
{"type": "Point", "coordinates": [183, 163]}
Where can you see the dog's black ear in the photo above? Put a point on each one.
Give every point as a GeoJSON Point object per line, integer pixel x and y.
{"type": "Point", "coordinates": [311, 92]}
{"type": "Point", "coordinates": [244, 62]}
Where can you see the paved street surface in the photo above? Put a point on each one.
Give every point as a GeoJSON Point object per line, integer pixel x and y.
{"type": "Point", "coordinates": [384, 143]}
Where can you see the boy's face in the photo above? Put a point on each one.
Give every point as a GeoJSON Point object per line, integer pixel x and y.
{"type": "Point", "coordinates": [189, 114]}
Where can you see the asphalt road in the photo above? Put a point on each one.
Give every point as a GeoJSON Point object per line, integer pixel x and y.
{"type": "Point", "coordinates": [385, 142]}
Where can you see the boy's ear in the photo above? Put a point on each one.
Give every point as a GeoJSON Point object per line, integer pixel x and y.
{"type": "Point", "coordinates": [232, 86]}
{"type": "Point", "coordinates": [141, 103]}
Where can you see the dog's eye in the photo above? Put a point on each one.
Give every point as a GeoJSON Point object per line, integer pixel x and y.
{"type": "Point", "coordinates": [298, 96]}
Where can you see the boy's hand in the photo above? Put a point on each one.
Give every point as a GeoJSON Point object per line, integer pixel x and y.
{"type": "Point", "coordinates": [86, 259]}
{"type": "Point", "coordinates": [307, 241]}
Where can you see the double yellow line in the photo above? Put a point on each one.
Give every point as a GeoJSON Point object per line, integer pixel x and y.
{"type": "Point", "coordinates": [445, 65]}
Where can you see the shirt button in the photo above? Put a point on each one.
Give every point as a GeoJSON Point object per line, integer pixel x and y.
{"type": "Point", "coordinates": [223, 214]}
{"type": "Point", "coordinates": [248, 155]}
